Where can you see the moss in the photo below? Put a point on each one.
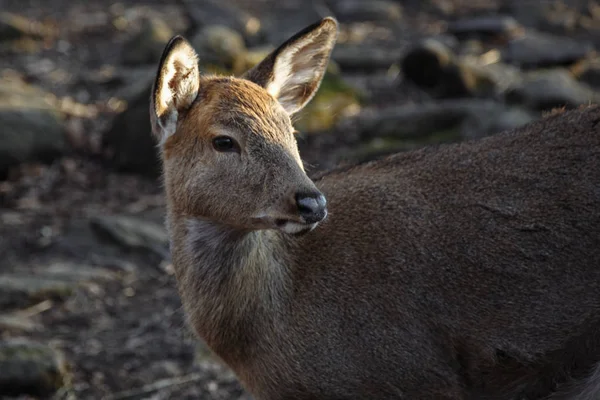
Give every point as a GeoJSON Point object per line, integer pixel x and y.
{"type": "Point", "coordinates": [334, 100]}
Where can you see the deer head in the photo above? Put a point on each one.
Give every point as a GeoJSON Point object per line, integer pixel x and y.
{"type": "Point", "coordinates": [227, 144]}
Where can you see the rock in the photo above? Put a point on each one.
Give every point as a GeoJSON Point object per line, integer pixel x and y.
{"type": "Point", "coordinates": [32, 126]}
{"type": "Point", "coordinates": [14, 26]}
{"type": "Point", "coordinates": [436, 69]}
{"type": "Point", "coordinates": [219, 45]}
{"type": "Point", "coordinates": [425, 62]}
{"type": "Point", "coordinates": [30, 368]}
{"type": "Point", "coordinates": [18, 291]}
{"type": "Point", "coordinates": [588, 72]}
{"type": "Point", "coordinates": [499, 27]}
{"type": "Point", "coordinates": [418, 121]}
{"type": "Point", "coordinates": [360, 10]}
{"type": "Point", "coordinates": [364, 58]}
{"type": "Point", "coordinates": [536, 50]}
{"type": "Point", "coordinates": [128, 143]}
{"type": "Point", "coordinates": [133, 233]}
{"type": "Point", "coordinates": [479, 125]}
{"type": "Point", "coordinates": [500, 75]}
{"type": "Point", "coordinates": [216, 12]}
{"type": "Point", "coordinates": [146, 46]}
{"type": "Point", "coordinates": [544, 90]}
{"type": "Point", "coordinates": [528, 13]}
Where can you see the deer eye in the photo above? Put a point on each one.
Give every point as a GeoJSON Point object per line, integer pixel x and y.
{"type": "Point", "coordinates": [225, 144]}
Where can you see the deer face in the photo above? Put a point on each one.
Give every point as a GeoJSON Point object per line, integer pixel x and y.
{"type": "Point", "coordinates": [227, 144]}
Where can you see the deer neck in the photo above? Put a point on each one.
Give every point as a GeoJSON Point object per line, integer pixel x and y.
{"type": "Point", "coordinates": [233, 283]}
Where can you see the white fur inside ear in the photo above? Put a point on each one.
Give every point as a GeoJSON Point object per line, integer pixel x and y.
{"type": "Point", "coordinates": [176, 88]}
{"type": "Point", "coordinates": [298, 70]}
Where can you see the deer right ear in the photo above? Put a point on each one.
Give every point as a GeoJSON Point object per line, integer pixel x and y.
{"type": "Point", "coordinates": [175, 87]}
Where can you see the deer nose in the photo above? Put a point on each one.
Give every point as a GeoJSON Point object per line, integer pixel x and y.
{"type": "Point", "coordinates": [311, 206]}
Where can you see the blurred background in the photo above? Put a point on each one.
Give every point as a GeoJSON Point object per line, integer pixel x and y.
{"type": "Point", "coordinates": [88, 306]}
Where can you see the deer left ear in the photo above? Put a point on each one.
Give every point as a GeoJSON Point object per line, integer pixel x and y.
{"type": "Point", "coordinates": [175, 87]}
{"type": "Point", "coordinates": [294, 71]}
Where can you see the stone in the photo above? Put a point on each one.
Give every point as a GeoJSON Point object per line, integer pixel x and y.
{"type": "Point", "coordinates": [417, 121]}
{"type": "Point", "coordinates": [547, 89]}
{"type": "Point", "coordinates": [128, 144]}
{"type": "Point", "coordinates": [30, 368]}
{"type": "Point", "coordinates": [364, 58]}
{"type": "Point", "coordinates": [501, 119]}
{"type": "Point", "coordinates": [497, 28]}
{"type": "Point", "coordinates": [588, 72]}
{"type": "Point", "coordinates": [219, 45]}
{"type": "Point", "coordinates": [216, 12]}
{"type": "Point", "coordinates": [424, 63]}
{"type": "Point", "coordinates": [32, 125]}
{"type": "Point", "coordinates": [133, 233]}
{"type": "Point", "coordinates": [147, 45]}
{"type": "Point", "coordinates": [436, 69]}
{"type": "Point", "coordinates": [360, 10]}
{"type": "Point", "coordinates": [537, 50]}
{"type": "Point", "coordinates": [14, 26]}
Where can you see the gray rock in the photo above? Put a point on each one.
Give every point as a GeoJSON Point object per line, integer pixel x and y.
{"type": "Point", "coordinates": [215, 12]}
{"type": "Point", "coordinates": [133, 233]}
{"type": "Point", "coordinates": [30, 368]}
{"type": "Point", "coordinates": [366, 10]}
{"type": "Point", "coordinates": [32, 126]}
{"type": "Point", "coordinates": [19, 291]}
{"type": "Point", "coordinates": [588, 72]}
{"type": "Point", "coordinates": [436, 69]}
{"type": "Point", "coordinates": [14, 26]}
{"type": "Point", "coordinates": [536, 49]}
{"type": "Point", "coordinates": [547, 89]}
{"type": "Point", "coordinates": [129, 143]}
{"type": "Point", "coordinates": [364, 58]}
{"type": "Point", "coordinates": [503, 76]}
{"type": "Point", "coordinates": [220, 45]}
{"type": "Point", "coordinates": [497, 27]}
{"type": "Point", "coordinates": [147, 45]}
{"type": "Point", "coordinates": [479, 125]}
{"type": "Point", "coordinates": [417, 121]}
{"type": "Point", "coordinates": [425, 62]}
{"type": "Point", "coordinates": [528, 13]}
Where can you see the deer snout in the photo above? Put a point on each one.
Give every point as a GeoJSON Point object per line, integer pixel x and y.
{"type": "Point", "coordinates": [312, 207]}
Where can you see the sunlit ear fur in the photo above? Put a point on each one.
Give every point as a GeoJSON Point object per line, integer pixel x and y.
{"type": "Point", "coordinates": [175, 87]}
{"type": "Point", "coordinates": [293, 72]}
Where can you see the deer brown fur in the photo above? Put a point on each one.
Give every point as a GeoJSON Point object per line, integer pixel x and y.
{"type": "Point", "coordinates": [464, 271]}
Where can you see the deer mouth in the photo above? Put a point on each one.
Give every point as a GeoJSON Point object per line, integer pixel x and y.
{"type": "Point", "coordinates": [293, 227]}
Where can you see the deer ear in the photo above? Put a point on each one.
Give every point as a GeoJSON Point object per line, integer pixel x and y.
{"type": "Point", "coordinates": [175, 87]}
{"type": "Point", "coordinates": [293, 72]}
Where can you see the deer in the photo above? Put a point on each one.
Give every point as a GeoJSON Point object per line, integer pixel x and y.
{"type": "Point", "coordinates": [463, 270]}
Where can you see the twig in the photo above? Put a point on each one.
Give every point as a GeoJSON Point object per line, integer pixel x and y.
{"type": "Point", "coordinates": [154, 387]}
{"type": "Point", "coordinates": [34, 310]}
